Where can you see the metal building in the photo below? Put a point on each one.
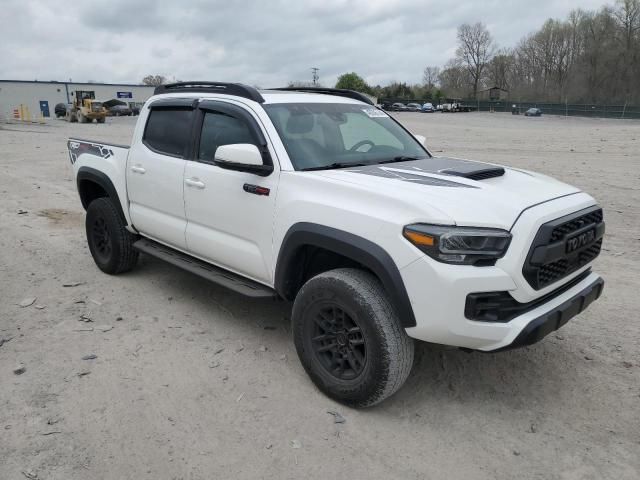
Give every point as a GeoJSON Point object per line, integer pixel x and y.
{"type": "Point", "coordinates": [40, 98]}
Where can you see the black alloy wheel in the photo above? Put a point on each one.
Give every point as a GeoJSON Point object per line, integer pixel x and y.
{"type": "Point", "coordinates": [101, 239]}
{"type": "Point", "coordinates": [338, 342]}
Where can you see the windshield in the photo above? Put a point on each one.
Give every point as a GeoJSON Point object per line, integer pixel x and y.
{"type": "Point", "coordinates": [335, 135]}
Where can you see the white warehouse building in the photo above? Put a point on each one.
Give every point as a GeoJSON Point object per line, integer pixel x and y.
{"type": "Point", "coordinates": [40, 98]}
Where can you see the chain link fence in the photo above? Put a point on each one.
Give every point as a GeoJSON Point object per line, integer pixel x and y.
{"type": "Point", "coordinates": [566, 109]}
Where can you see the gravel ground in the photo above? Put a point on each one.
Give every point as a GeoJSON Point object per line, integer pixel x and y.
{"type": "Point", "coordinates": [191, 381]}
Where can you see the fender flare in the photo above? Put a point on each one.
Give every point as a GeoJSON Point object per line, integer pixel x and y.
{"type": "Point", "coordinates": [101, 179]}
{"type": "Point", "coordinates": [356, 248]}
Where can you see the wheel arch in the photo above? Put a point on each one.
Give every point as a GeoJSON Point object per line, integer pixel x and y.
{"type": "Point", "coordinates": [290, 273]}
{"type": "Point", "coordinates": [94, 184]}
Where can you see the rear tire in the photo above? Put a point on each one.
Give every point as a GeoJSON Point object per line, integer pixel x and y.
{"type": "Point", "coordinates": [349, 339]}
{"type": "Point", "coordinates": [100, 120]}
{"type": "Point", "coordinates": [110, 243]}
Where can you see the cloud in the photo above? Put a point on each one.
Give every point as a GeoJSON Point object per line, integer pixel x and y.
{"type": "Point", "coordinates": [262, 43]}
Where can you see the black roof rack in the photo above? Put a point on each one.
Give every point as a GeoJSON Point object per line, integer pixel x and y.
{"type": "Point", "coordinates": [237, 89]}
{"type": "Point", "coordinates": [340, 92]}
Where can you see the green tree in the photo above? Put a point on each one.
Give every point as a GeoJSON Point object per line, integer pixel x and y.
{"type": "Point", "coordinates": [353, 81]}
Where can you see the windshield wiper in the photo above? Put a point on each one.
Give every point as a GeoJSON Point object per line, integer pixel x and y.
{"type": "Point", "coordinates": [333, 165]}
{"type": "Point", "coordinates": [401, 158]}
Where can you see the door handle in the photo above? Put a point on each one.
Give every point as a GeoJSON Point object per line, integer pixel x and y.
{"type": "Point", "coordinates": [194, 182]}
{"type": "Point", "coordinates": [138, 169]}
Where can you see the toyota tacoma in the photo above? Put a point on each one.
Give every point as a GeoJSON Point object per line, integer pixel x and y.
{"type": "Point", "coordinates": [317, 197]}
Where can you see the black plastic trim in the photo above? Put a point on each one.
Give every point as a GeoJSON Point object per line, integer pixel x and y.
{"type": "Point", "coordinates": [173, 103]}
{"type": "Point", "coordinates": [356, 248]}
{"type": "Point", "coordinates": [101, 179]}
{"type": "Point", "coordinates": [552, 320]}
{"type": "Point", "coordinates": [501, 307]}
{"type": "Point", "coordinates": [339, 92]}
{"type": "Point", "coordinates": [235, 89]}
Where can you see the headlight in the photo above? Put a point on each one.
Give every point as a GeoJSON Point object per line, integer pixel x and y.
{"type": "Point", "coordinates": [459, 245]}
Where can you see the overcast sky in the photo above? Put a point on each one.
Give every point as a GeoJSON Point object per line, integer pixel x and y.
{"type": "Point", "coordinates": [266, 43]}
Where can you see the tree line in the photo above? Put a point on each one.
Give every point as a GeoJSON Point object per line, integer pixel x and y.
{"type": "Point", "coordinates": [589, 57]}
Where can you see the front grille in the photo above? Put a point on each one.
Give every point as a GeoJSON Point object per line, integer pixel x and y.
{"type": "Point", "coordinates": [561, 231]}
{"type": "Point", "coordinates": [550, 258]}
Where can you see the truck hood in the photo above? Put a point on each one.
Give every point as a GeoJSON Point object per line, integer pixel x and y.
{"type": "Point", "coordinates": [467, 192]}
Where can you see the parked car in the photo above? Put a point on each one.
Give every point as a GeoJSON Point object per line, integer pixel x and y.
{"type": "Point", "coordinates": [533, 112]}
{"type": "Point", "coordinates": [60, 110]}
{"type": "Point", "coordinates": [120, 110]}
{"type": "Point", "coordinates": [135, 109]}
{"type": "Point", "coordinates": [398, 107]}
{"type": "Point", "coordinates": [414, 107]}
{"type": "Point", "coordinates": [375, 241]}
{"type": "Point", "coordinates": [427, 108]}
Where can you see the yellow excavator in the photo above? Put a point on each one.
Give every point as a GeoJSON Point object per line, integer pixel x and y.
{"type": "Point", "coordinates": [85, 108]}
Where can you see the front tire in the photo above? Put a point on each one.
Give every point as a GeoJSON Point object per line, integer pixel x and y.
{"type": "Point", "coordinates": [349, 339]}
{"type": "Point", "coordinates": [110, 243]}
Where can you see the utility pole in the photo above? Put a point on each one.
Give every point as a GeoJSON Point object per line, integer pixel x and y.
{"type": "Point", "coordinates": [314, 76]}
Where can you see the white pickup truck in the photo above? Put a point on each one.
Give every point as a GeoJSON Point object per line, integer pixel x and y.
{"type": "Point", "coordinates": [318, 197]}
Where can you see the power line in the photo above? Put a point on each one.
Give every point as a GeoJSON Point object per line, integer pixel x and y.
{"type": "Point", "coordinates": [314, 76]}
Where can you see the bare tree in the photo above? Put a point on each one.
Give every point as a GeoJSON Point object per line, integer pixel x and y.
{"type": "Point", "coordinates": [500, 70]}
{"type": "Point", "coordinates": [475, 49]}
{"type": "Point", "coordinates": [430, 77]}
{"type": "Point", "coordinates": [627, 17]}
{"type": "Point", "coordinates": [454, 79]}
{"type": "Point", "coordinates": [154, 80]}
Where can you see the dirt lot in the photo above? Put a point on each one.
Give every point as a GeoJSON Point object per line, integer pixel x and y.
{"type": "Point", "coordinates": [193, 382]}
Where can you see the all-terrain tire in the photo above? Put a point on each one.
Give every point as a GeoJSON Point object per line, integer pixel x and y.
{"type": "Point", "coordinates": [100, 120]}
{"type": "Point", "coordinates": [349, 338]}
{"type": "Point", "coordinates": [110, 243]}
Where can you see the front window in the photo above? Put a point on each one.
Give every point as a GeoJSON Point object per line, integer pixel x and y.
{"type": "Point", "coordinates": [220, 129]}
{"type": "Point", "coordinates": [323, 135]}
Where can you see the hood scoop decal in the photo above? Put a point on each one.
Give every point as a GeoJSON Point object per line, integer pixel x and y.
{"type": "Point", "coordinates": [422, 171]}
{"type": "Point", "coordinates": [473, 172]}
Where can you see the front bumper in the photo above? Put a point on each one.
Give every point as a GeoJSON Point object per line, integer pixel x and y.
{"type": "Point", "coordinates": [555, 318]}
{"type": "Point", "coordinates": [440, 308]}
{"type": "Point", "coordinates": [439, 292]}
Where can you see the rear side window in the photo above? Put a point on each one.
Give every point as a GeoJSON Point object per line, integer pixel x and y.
{"type": "Point", "coordinates": [168, 130]}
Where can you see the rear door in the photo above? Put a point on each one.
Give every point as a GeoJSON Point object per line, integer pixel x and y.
{"type": "Point", "coordinates": [229, 212]}
{"type": "Point", "coordinates": [155, 172]}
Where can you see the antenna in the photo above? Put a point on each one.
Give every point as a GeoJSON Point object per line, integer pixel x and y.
{"type": "Point", "coordinates": [314, 76]}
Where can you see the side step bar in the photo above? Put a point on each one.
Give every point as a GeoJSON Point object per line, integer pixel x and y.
{"type": "Point", "coordinates": [212, 273]}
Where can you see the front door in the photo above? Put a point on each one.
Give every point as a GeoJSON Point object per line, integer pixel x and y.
{"type": "Point", "coordinates": [155, 173]}
{"type": "Point", "coordinates": [44, 108]}
{"type": "Point", "coordinates": [229, 221]}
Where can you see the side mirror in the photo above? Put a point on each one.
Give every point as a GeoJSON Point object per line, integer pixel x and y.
{"type": "Point", "coordinates": [242, 157]}
{"type": "Point", "coordinates": [420, 138]}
